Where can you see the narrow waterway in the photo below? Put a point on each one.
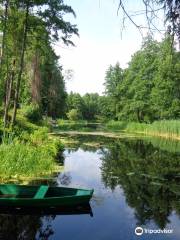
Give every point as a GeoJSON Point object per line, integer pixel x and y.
{"type": "Point", "coordinates": [136, 183]}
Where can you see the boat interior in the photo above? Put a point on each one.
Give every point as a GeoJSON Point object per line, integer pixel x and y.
{"type": "Point", "coordinates": [36, 192]}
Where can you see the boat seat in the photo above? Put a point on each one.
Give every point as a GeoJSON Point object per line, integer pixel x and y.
{"type": "Point", "coordinates": [41, 192]}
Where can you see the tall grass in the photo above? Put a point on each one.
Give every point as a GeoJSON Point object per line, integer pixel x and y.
{"type": "Point", "coordinates": [165, 128]}
{"type": "Point", "coordinates": [29, 155]}
{"type": "Point", "coordinates": [24, 160]}
{"type": "Point", "coordinates": [170, 127]}
{"type": "Point", "coordinates": [116, 125]}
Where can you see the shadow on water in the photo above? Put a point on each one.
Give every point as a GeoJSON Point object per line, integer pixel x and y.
{"type": "Point", "coordinates": [26, 227]}
{"type": "Point", "coordinates": [34, 223]}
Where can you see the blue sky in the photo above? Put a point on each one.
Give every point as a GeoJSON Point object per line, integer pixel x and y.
{"type": "Point", "coordinates": [100, 43]}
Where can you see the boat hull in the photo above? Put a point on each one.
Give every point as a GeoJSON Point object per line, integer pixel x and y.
{"type": "Point", "coordinates": [23, 196]}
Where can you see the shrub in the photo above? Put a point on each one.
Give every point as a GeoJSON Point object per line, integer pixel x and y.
{"type": "Point", "coordinates": [39, 136]}
{"type": "Point", "coordinates": [32, 113]}
{"type": "Point", "coordinates": [73, 115]}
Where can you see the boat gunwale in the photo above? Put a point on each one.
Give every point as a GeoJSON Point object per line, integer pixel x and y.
{"type": "Point", "coordinates": [89, 192]}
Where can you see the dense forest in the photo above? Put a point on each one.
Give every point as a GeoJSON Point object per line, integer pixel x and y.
{"type": "Point", "coordinates": [32, 86]}
{"type": "Point", "coordinates": [31, 78]}
{"type": "Point", "coordinates": [149, 89]}
{"type": "Point", "coordinates": [30, 70]}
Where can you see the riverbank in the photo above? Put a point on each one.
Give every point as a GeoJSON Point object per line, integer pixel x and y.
{"type": "Point", "coordinates": [28, 152]}
{"type": "Point", "coordinates": [169, 129]}
{"type": "Point", "coordinates": [95, 133]}
{"type": "Point", "coordinates": [80, 125]}
{"type": "Point", "coordinates": [165, 129]}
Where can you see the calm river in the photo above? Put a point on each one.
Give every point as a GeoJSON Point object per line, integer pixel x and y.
{"type": "Point", "coordinates": [136, 184]}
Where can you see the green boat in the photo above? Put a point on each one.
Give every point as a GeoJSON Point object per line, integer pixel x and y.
{"type": "Point", "coordinates": [42, 196]}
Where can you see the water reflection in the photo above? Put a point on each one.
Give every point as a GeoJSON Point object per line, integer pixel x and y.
{"type": "Point", "coordinates": [136, 182]}
{"type": "Point", "coordinates": [18, 227]}
{"type": "Point", "coordinates": [34, 223]}
{"type": "Point", "coordinates": [149, 177]}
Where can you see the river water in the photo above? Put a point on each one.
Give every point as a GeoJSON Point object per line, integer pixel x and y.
{"type": "Point", "coordinates": [135, 182]}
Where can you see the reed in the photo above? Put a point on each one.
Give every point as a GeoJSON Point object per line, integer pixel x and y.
{"type": "Point", "coordinates": [116, 125]}
{"type": "Point", "coordinates": [164, 128]}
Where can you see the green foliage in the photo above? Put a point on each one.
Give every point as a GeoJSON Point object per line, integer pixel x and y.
{"type": "Point", "coordinates": [29, 155]}
{"type": "Point", "coordinates": [105, 106]}
{"type": "Point", "coordinates": [149, 88]}
{"type": "Point", "coordinates": [39, 136]}
{"type": "Point", "coordinates": [80, 125]}
{"type": "Point", "coordinates": [87, 106]}
{"type": "Point", "coordinates": [73, 115]}
{"type": "Point", "coordinates": [32, 112]}
{"type": "Point", "coordinates": [53, 93]}
{"type": "Point", "coordinates": [90, 106]}
{"type": "Point", "coordinates": [24, 160]}
{"type": "Point", "coordinates": [116, 125]}
{"type": "Point", "coordinates": [165, 95]}
{"type": "Point", "coordinates": [114, 77]}
{"type": "Point", "coordinates": [1, 128]}
{"type": "Point", "coordinates": [29, 67]}
{"type": "Point", "coordinates": [23, 124]}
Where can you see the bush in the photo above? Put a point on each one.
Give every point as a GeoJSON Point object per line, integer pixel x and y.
{"type": "Point", "coordinates": [73, 115]}
{"type": "Point", "coordinates": [32, 113]}
{"type": "Point", "coordinates": [39, 136]}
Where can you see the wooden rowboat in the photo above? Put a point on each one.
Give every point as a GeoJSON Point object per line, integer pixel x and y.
{"type": "Point", "coordinates": [42, 196]}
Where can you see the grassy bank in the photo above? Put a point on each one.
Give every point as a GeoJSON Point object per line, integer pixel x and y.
{"type": "Point", "coordinates": [28, 152]}
{"type": "Point", "coordinates": [165, 128]}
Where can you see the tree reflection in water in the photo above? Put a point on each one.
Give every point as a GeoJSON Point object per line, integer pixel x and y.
{"type": "Point", "coordinates": [17, 227]}
{"type": "Point", "coordinates": [149, 177]}
{"type": "Point", "coordinates": [35, 223]}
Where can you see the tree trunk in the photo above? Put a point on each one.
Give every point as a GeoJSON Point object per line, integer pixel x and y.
{"type": "Point", "coordinates": [16, 98]}
{"type": "Point", "coordinates": [36, 80]}
{"type": "Point", "coordinates": [139, 115]}
{"type": "Point", "coordinates": [8, 97]}
{"type": "Point", "coordinates": [4, 32]}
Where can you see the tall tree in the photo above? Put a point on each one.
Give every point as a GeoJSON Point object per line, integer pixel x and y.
{"type": "Point", "coordinates": [165, 95]}
{"type": "Point", "coordinates": [24, 38]}
{"type": "Point", "coordinates": [32, 26]}
{"type": "Point", "coordinates": [113, 78]}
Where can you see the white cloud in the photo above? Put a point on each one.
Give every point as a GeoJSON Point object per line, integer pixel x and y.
{"type": "Point", "coordinates": [90, 59]}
